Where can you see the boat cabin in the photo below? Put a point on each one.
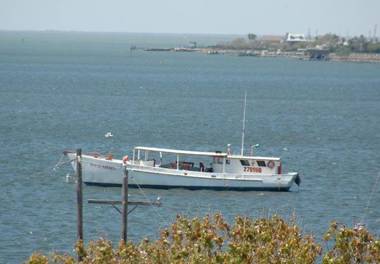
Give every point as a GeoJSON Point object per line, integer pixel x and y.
{"type": "Point", "coordinates": [248, 165]}
{"type": "Point", "coordinates": [215, 162]}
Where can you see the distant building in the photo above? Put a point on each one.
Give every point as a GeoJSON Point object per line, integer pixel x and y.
{"type": "Point", "coordinates": [293, 37]}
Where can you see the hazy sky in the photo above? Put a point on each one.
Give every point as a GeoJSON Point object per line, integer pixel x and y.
{"type": "Point", "coordinates": [344, 17]}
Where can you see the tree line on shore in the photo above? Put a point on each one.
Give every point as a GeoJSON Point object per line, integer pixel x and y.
{"type": "Point", "coordinates": [213, 240]}
{"type": "Point", "coordinates": [330, 42]}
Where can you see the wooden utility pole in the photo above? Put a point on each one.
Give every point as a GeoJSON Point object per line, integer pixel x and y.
{"type": "Point", "coordinates": [79, 197]}
{"type": "Point", "coordinates": [124, 205]}
{"type": "Point", "coordinates": [124, 202]}
{"type": "Point", "coordinates": [124, 209]}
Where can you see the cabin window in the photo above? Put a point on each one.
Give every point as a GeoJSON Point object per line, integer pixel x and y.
{"type": "Point", "coordinates": [218, 160]}
{"type": "Point", "coordinates": [228, 162]}
{"type": "Point", "coordinates": [261, 163]}
{"type": "Point", "coordinates": [244, 162]}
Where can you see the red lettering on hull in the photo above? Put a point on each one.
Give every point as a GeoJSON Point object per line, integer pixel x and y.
{"type": "Point", "coordinates": [252, 169]}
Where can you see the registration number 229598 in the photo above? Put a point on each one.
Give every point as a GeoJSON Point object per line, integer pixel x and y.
{"type": "Point", "coordinates": [252, 169]}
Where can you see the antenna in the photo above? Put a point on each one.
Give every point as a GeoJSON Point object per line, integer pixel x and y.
{"type": "Point", "coordinates": [243, 128]}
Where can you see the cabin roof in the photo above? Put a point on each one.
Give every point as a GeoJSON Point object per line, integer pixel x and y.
{"type": "Point", "coordinates": [204, 153]}
{"type": "Point", "coordinates": [182, 152]}
{"type": "Point", "coordinates": [252, 157]}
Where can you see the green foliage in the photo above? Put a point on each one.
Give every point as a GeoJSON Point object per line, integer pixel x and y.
{"type": "Point", "coordinates": [352, 245]}
{"type": "Point", "coordinates": [359, 44]}
{"type": "Point", "coordinates": [330, 40]}
{"type": "Point", "coordinates": [252, 36]}
{"type": "Point", "coordinates": [213, 240]}
{"type": "Point", "coordinates": [37, 258]}
{"type": "Point", "coordinates": [239, 43]}
{"type": "Point", "coordinates": [374, 47]}
{"type": "Point", "coordinates": [343, 51]}
{"type": "Point", "coordinates": [270, 241]}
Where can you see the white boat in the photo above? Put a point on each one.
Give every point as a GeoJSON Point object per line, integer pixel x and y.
{"type": "Point", "coordinates": [170, 168]}
{"type": "Point", "coordinates": [187, 169]}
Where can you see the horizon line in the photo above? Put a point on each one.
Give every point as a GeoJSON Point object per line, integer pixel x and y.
{"type": "Point", "coordinates": [162, 33]}
{"type": "Point", "coordinates": [124, 32]}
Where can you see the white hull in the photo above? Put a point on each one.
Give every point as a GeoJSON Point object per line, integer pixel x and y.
{"type": "Point", "coordinates": [99, 171]}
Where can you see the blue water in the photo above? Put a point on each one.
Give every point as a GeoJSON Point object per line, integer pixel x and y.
{"type": "Point", "coordinates": [60, 91]}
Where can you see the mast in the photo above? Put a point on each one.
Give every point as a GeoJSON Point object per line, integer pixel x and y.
{"type": "Point", "coordinates": [243, 128]}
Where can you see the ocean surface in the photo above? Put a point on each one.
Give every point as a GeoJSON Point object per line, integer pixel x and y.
{"type": "Point", "coordinates": [66, 90]}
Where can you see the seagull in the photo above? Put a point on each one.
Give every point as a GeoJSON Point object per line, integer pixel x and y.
{"type": "Point", "coordinates": [108, 135]}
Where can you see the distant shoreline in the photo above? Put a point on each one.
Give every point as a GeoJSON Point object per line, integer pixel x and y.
{"type": "Point", "coordinates": [353, 57]}
{"type": "Point", "coordinates": [187, 42]}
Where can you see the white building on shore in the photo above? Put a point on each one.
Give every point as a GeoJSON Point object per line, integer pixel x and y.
{"type": "Point", "coordinates": [295, 37]}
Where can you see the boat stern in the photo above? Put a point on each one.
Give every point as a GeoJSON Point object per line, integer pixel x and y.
{"type": "Point", "coordinates": [295, 177]}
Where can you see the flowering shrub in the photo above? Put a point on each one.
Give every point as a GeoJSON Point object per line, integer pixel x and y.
{"type": "Point", "coordinates": [351, 245]}
{"type": "Point", "coordinates": [213, 240]}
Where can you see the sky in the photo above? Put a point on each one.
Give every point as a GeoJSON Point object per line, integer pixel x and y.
{"type": "Point", "coordinates": [267, 17]}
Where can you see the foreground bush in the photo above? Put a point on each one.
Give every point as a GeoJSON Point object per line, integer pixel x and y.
{"type": "Point", "coordinates": [351, 245]}
{"type": "Point", "coordinates": [213, 240]}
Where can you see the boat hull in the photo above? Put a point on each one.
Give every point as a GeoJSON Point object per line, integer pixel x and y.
{"type": "Point", "coordinates": [216, 188]}
{"type": "Point", "coordinates": [165, 180]}
{"type": "Point", "coordinates": [102, 172]}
